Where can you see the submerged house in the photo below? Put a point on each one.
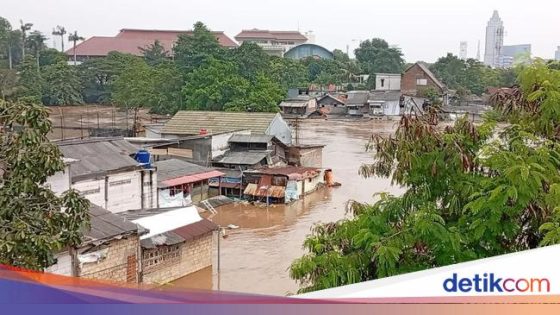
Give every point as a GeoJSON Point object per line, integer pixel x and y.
{"type": "Point", "coordinates": [252, 151]}
{"type": "Point", "coordinates": [178, 242]}
{"type": "Point", "coordinates": [331, 105]}
{"type": "Point", "coordinates": [282, 184]}
{"type": "Point", "coordinates": [357, 103]}
{"type": "Point", "coordinates": [417, 79]}
{"type": "Point", "coordinates": [298, 106]}
{"type": "Point", "coordinates": [385, 103]}
{"type": "Point", "coordinates": [181, 183]}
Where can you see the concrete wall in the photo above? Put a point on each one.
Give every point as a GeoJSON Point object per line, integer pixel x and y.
{"type": "Point", "coordinates": [195, 255]}
{"type": "Point", "coordinates": [307, 157]}
{"type": "Point", "coordinates": [116, 266]}
{"type": "Point", "coordinates": [117, 192]}
{"type": "Point", "coordinates": [63, 265]}
{"type": "Point", "coordinates": [387, 82]}
{"type": "Point", "coordinates": [60, 181]}
{"type": "Point", "coordinates": [280, 129]}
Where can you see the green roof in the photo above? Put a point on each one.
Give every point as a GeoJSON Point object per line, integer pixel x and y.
{"type": "Point", "coordinates": [191, 122]}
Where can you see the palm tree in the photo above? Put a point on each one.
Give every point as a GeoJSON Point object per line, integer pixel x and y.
{"type": "Point", "coordinates": [74, 37]}
{"type": "Point", "coordinates": [60, 31]}
{"type": "Point", "coordinates": [24, 28]}
{"type": "Point", "coordinates": [36, 42]}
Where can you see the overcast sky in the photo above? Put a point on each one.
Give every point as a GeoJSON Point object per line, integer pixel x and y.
{"type": "Point", "coordinates": [424, 30]}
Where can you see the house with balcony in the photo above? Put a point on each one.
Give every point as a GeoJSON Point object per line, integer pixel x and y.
{"type": "Point", "coordinates": [275, 43]}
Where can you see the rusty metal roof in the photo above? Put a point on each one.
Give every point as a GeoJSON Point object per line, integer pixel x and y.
{"type": "Point", "coordinates": [270, 191]}
{"type": "Point", "coordinates": [292, 172]}
{"type": "Point", "coordinates": [105, 225]}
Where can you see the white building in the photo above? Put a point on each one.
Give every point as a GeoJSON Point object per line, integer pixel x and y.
{"type": "Point", "coordinates": [275, 43]}
{"type": "Point", "coordinates": [105, 173]}
{"type": "Point", "coordinates": [387, 81]}
{"type": "Point", "coordinates": [494, 41]}
{"type": "Point", "coordinates": [557, 54]}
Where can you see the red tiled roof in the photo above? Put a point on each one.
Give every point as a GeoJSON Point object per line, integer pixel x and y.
{"type": "Point", "coordinates": [193, 230]}
{"type": "Point", "coordinates": [266, 34]}
{"type": "Point", "coordinates": [191, 178]}
{"type": "Point", "coordinates": [129, 41]}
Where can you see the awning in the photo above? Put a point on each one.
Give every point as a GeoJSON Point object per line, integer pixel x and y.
{"type": "Point", "coordinates": [191, 178]}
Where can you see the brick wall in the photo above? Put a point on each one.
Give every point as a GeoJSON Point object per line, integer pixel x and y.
{"type": "Point", "coordinates": [408, 82]}
{"type": "Point", "coordinates": [117, 265]}
{"type": "Point", "coordinates": [195, 255]}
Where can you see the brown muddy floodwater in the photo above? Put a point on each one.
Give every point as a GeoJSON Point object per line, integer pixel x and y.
{"type": "Point", "coordinates": [255, 258]}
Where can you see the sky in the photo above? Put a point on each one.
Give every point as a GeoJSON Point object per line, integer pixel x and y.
{"type": "Point", "coordinates": [423, 30]}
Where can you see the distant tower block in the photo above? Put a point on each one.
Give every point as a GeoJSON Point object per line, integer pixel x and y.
{"type": "Point", "coordinates": [493, 49]}
{"type": "Point", "coordinates": [463, 50]}
{"type": "Point", "coordinates": [478, 51]}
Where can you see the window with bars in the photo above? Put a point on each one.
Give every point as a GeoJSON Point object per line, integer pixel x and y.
{"type": "Point", "coordinates": [161, 256]}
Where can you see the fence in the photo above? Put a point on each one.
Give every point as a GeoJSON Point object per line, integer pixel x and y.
{"type": "Point", "coordinates": [84, 121]}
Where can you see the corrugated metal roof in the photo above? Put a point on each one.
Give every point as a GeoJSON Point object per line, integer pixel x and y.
{"type": "Point", "coordinates": [96, 157]}
{"type": "Point", "coordinates": [357, 98]}
{"type": "Point", "coordinates": [292, 172]}
{"type": "Point", "coordinates": [191, 122]}
{"type": "Point", "coordinates": [191, 231]}
{"type": "Point", "coordinates": [385, 95]}
{"type": "Point", "coordinates": [190, 179]}
{"type": "Point", "coordinates": [242, 158]}
{"type": "Point", "coordinates": [250, 138]}
{"type": "Point", "coordinates": [174, 168]}
{"type": "Point", "coordinates": [106, 225]}
{"type": "Point", "coordinates": [270, 191]}
{"type": "Point", "coordinates": [297, 104]}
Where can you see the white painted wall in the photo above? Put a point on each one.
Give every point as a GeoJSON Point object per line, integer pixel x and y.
{"type": "Point", "coordinates": [123, 191]}
{"type": "Point", "coordinates": [220, 142]}
{"type": "Point", "coordinates": [280, 129]}
{"type": "Point", "coordinates": [63, 265]}
{"type": "Point", "coordinates": [60, 181]}
{"type": "Point", "coordinates": [387, 82]}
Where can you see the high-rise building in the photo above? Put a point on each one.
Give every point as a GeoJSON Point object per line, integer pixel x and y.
{"type": "Point", "coordinates": [515, 54]}
{"type": "Point", "coordinates": [478, 51]}
{"type": "Point", "coordinates": [494, 41]}
{"type": "Point", "coordinates": [557, 55]}
{"type": "Point", "coordinates": [463, 50]}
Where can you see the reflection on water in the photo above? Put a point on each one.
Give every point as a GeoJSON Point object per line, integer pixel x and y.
{"type": "Point", "coordinates": [255, 258]}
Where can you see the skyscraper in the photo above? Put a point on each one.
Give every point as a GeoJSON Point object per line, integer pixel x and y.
{"type": "Point", "coordinates": [557, 55]}
{"type": "Point", "coordinates": [478, 51]}
{"type": "Point", "coordinates": [494, 41]}
{"type": "Point", "coordinates": [463, 50]}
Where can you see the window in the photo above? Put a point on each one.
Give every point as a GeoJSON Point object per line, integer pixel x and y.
{"type": "Point", "coordinates": [382, 82]}
{"type": "Point", "coordinates": [421, 82]}
{"type": "Point", "coordinates": [161, 256]}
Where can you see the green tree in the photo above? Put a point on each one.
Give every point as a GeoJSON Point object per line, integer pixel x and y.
{"type": "Point", "coordinates": [35, 42]}
{"type": "Point", "coordinates": [214, 86]}
{"type": "Point", "coordinates": [60, 31]}
{"type": "Point", "coordinates": [51, 56]}
{"type": "Point", "coordinates": [451, 71]}
{"type": "Point", "coordinates": [5, 30]}
{"type": "Point", "coordinates": [132, 87]}
{"type": "Point", "coordinates": [193, 50]}
{"type": "Point", "coordinates": [8, 83]}
{"type": "Point", "coordinates": [288, 73]}
{"type": "Point", "coordinates": [472, 191]}
{"type": "Point", "coordinates": [155, 54]}
{"type": "Point", "coordinates": [62, 85]}
{"type": "Point", "coordinates": [263, 96]}
{"type": "Point", "coordinates": [74, 38]}
{"type": "Point", "coordinates": [97, 75]}
{"type": "Point", "coordinates": [375, 56]}
{"type": "Point", "coordinates": [250, 59]}
{"type": "Point", "coordinates": [31, 81]}
{"type": "Point", "coordinates": [34, 222]}
{"type": "Point", "coordinates": [167, 83]}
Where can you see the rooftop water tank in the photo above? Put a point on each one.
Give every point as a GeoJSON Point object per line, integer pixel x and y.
{"type": "Point", "coordinates": [143, 157]}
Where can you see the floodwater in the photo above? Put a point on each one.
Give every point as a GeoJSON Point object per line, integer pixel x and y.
{"type": "Point", "coordinates": [255, 258]}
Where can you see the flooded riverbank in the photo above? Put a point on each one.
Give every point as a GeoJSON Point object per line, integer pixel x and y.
{"type": "Point", "coordinates": [255, 258]}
